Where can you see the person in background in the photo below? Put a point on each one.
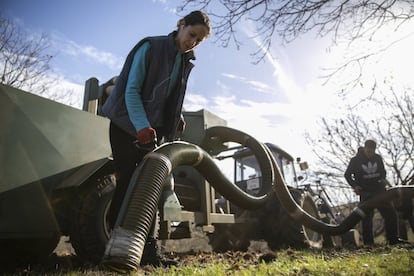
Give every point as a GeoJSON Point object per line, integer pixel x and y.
{"type": "Point", "coordinates": [366, 175]}
{"type": "Point", "coordinates": [145, 105]}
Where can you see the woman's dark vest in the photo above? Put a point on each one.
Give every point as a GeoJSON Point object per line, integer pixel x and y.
{"type": "Point", "coordinates": [154, 93]}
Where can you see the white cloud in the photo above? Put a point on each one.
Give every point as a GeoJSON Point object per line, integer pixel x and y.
{"type": "Point", "coordinates": [74, 92]}
{"type": "Point", "coordinates": [231, 76]}
{"type": "Point", "coordinates": [267, 122]}
{"type": "Point", "coordinates": [222, 87]}
{"type": "Point", "coordinates": [71, 48]}
{"type": "Point", "coordinates": [252, 84]}
{"type": "Point", "coordinates": [195, 102]}
{"type": "Point", "coordinates": [61, 90]}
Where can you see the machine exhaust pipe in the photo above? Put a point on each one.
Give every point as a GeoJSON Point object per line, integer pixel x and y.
{"type": "Point", "coordinates": [125, 247]}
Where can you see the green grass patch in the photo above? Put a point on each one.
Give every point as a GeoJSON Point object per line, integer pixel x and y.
{"type": "Point", "coordinates": [376, 261]}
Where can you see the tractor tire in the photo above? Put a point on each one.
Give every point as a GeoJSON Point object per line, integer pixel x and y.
{"type": "Point", "coordinates": [91, 229]}
{"type": "Point", "coordinates": [282, 231]}
{"type": "Point", "coordinates": [228, 237]}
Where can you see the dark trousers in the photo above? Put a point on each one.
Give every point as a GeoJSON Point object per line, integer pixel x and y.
{"type": "Point", "coordinates": [126, 157]}
{"type": "Point", "coordinates": [389, 215]}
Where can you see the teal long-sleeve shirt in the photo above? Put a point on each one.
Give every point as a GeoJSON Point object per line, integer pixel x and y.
{"type": "Point", "coordinates": [136, 78]}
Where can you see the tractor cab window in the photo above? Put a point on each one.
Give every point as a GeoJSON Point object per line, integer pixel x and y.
{"type": "Point", "coordinates": [248, 174]}
{"type": "Point", "coordinates": [247, 168]}
{"type": "Point", "coordinates": [289, 172]}
{"type": "Point", "coordinates": [287, 168]}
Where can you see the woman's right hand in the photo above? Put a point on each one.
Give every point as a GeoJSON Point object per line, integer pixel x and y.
{"type": "Point", "coordinates": [146, 135]}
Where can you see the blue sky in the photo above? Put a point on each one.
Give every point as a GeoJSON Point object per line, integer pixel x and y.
{"type": "Point", "coordinates": [275, 101]}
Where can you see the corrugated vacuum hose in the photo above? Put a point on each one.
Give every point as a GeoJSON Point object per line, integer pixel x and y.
{"type": "Point", "coordinates": [125, 247]}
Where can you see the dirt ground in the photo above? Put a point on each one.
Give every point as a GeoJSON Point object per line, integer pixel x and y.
{"type": "Point", "coordinates": [185, 251]}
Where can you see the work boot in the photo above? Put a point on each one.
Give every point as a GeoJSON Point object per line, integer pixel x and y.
{"type": "Point", "coordinates": [398, 241]}
{"type": "Point", "coordinates": [151, 255]}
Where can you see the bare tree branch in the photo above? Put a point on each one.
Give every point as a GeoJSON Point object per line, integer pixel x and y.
{"type": "Point", "coordinates": [286, 20]}
{"type": "Point", "coordinates": [393, 129]}
{"type": "Point", "coordinates": [24, 62]}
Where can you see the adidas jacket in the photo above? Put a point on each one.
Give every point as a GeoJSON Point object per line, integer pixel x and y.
{"type": "Point", "coordinates": [366, 173]}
